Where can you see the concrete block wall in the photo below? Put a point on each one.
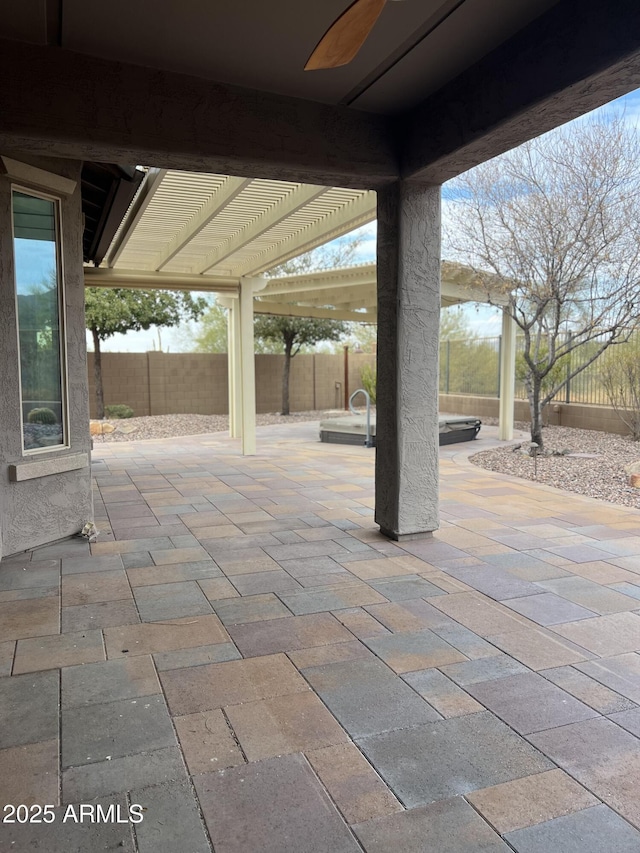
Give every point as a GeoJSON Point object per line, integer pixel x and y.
{"type": "Point", "coordinates": [188, 383]}
{"type": "Point", "coordinates": [269, 382]}
{"type": "Point", "coordinates": [159, 383]}
{"type": "Point", "coordinates": [581, 416]}
{"type": "Point", "coordinates": [156, 383]}
{"type": "Point", "coordinates": [329, 381]}
{"type": "Point", "coordinates": [576, 415]}
{"type": "Point", "coordinates": [125, 379]}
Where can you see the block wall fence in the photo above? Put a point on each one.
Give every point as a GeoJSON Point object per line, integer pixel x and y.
{"type": "Point", "coordinates": [156, 383]}
{"type": "Point", "coordinates": [576, 415]}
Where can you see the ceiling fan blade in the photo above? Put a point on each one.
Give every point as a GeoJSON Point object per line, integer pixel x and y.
{"type": "Point", "coordinates": [346, 35]}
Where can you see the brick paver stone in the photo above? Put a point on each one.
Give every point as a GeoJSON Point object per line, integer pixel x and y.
{"type": "Point", "coordinates": [203, 688]}
{"type": "Point", "coordinates": [450, 826]}
{"type": "Point", "coordinates": [275, 806]}
{"type": "Point", "coordinates": [329, 690]}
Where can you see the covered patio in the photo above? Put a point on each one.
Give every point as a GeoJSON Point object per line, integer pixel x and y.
{"type": "Point", "coordinates": [248, 656]}
{"type": "Point", "coordinates": [245, 656]}
{"type": "Point", "coordinates": [223, 234]}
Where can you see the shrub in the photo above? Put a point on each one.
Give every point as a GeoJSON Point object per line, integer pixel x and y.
{"type": "Point", "coordinates": [118, 411]}
{"type": "Point", "coordinates": [620, 376]}
{"type": "Point", "coordinates": [42, 416]}
{"type": "Point", "coordinates": [369, 378]}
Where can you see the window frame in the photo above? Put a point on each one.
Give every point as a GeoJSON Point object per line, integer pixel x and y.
{"type": "Point", "coordinates": [62, 321]}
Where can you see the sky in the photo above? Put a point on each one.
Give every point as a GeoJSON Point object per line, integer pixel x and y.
{"type": "Point", "coordinates": [483, 320]}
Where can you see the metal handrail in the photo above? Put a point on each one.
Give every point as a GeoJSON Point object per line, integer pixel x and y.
{"type": "Point", "coordinates": [368, 442]}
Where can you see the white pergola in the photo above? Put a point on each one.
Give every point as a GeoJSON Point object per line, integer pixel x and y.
{"type": "Point", "coordinates": [218, 233]}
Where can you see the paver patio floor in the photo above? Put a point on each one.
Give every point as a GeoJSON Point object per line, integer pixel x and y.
{"type": "Point", "coordinates": [242, 654]}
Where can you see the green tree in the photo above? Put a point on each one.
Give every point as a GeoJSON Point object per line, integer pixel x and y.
{"type": "Point", "coordinates": [112, 311]}
{"type": "Point", "coordinates": [454, 324]}
{"type": "Point", "coordinates": [293, 333]}
{"type": "Point", "coordinates": [369, 380]}
{"type": "Point", "coordinates": [362, 337]}
{"type": "Point", "coordinates": [209, 334]}
{"type": "Point", "coordinates": [556, 224]}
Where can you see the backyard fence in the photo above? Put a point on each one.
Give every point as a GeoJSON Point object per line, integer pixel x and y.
{"type": "Point", "coordinates": [472, 366]}
{"type": "Point", "coordinates": [158, 383]}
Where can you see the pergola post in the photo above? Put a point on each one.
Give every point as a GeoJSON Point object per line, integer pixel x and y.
{"type": "Point", "coordinates": [248, 286]}
{"type": "Point", "coordinates": [232, 304]}
{"type": "Point", "coordinates": [408, 327]}
{"type": "Point", "coordinates": [507, 377]}
{"type": "Point", "coordinates": [235, 383]}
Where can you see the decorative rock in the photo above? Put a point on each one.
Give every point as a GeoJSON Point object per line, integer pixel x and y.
{"type": "Point", "coordinates": [596, 467]}
{"type": "Point", "coordinates": [100, 427]}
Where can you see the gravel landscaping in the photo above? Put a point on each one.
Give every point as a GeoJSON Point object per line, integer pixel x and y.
{"type": "Point", "coordinates": [595, 466]}
{"type": "Point", "coordinates": [172, 426]}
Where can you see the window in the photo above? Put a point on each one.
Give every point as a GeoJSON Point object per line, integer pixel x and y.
{"type": "Point", "coordinates": [38, 291]}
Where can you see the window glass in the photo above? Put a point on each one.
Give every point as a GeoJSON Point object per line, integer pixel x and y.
{"type": "Point", "coordinates": [35, 230]}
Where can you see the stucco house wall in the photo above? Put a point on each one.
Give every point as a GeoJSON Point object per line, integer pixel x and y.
{"type": "Point", "coordinates": [40, 501]}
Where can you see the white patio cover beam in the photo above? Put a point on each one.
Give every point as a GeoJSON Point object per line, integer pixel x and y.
{"type": "Point", "coordinates": [284, 310]}
{"type": "Point", "coordinates": [229, 190]}
{"type": "Point", "coordinates": [366, 295]}
{"type": "Point", "coordinates": [457, 291]}
{"type": "Point", "coordinates": [459, 284]}
{"type": "Point", "coordinates": [140, 203]}
{"type": "Point", "coordinates": [276, 214]}
{"type": "Point", "coordinates": [359, 211]}
{"type": "Point", "coordinates": [323, 280]}
{"type": "Point", "coordinates": [106, 277]}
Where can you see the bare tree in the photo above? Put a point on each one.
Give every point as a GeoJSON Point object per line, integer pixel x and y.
{"type": "Point", "coordinates": [556, 224]}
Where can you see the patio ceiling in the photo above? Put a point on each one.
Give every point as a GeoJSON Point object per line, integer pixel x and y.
{"type": "Point", "coordinates": [195, 231]}
{"type": "Point", "coordinates": [414, 49]}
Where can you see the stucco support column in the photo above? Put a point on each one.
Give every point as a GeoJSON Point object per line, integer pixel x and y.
{"type": "Point", "coordinates": [408, 329]}
{"type": "Point", "coordinates": [507, 377]}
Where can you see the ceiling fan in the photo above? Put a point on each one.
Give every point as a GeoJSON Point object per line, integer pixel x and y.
{"type": "Point", "coordinates": [346, 35]}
